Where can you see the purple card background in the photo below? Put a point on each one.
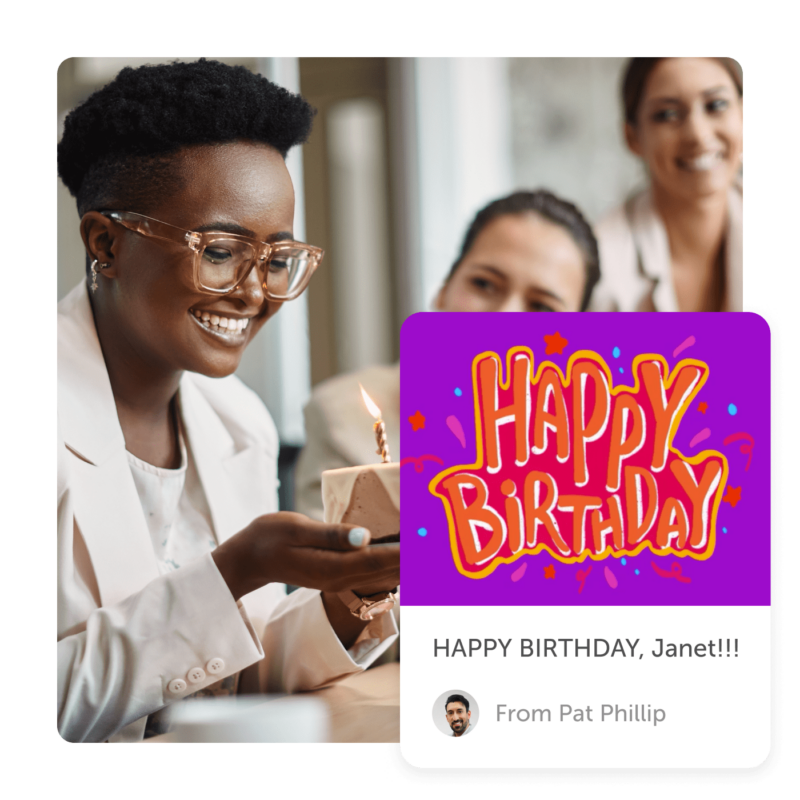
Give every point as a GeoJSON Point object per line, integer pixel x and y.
{"type": "Point", "coordinates": [437, 350]}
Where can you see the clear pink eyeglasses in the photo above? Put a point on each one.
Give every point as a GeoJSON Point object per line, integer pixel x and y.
{"type": "Point", "coordinates": [222, 261]}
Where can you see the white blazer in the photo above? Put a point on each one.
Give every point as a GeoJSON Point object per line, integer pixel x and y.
{"type": "Point", "coordinates": [128, 637]}
{"type": "Point", "coordinates": [635, 261]}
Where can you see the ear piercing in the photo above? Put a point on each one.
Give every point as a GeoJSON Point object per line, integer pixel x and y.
{"type": "Point", "coordinates": [95, 266]}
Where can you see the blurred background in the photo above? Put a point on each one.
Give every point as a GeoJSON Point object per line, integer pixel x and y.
{"type": "Point", "coordinates": [403, 153]}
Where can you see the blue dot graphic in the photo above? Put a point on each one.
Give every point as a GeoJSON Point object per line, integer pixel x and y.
{"type": "Point", "coordinates": [457, 392]}
{"type": "Point", "coordinates": [636, 571]}
{"type": "Point", "coordinates": [621, 370]}
{"type": "Point", "coordinates": [724, 530]}
{"type": "Point", "coordinates": [624, 562]}
{"type": "Point", "coordinates": [422, 531]}
{"type": "Point", "coordinates": [732, 410]}
{"type": "Point", "coordinates": [615, 352]}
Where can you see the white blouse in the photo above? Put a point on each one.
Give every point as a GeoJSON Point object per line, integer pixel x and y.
{"type": "Point", "coordinates": [175, 508]}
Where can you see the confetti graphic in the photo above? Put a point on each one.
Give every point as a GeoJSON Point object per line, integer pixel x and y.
{"type": "Point", "coordinates": [455, 426]}
{"type": "Point", "coordinates": [700, 437]}
{"type": "Point", "coordinates": [611, 578]}
{"type": "Point", "coordinates": [419, 461]}
{"type": "Point", "coordinates": [518, 573]}
{"type": "Point", "coordinates": [675, 571]}
{"type": "Point", "coordinates": [746, 448]}
{"type": "Point", "coordinates": [732, 495]}
{"type": "Point", "coordinates": [581, 575]}
{"type": "Point", "coordinates": [417, 422]}
{"type": "Point", "coordinates": [555, 343]}
{"type": "Point", "coordinates": [683, 345]}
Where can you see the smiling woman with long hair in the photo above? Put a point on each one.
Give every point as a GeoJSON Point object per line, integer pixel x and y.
{"type": "Point", "coordinates": [172, 557]}
{"type": "Point", "coordinates": [677, 246]}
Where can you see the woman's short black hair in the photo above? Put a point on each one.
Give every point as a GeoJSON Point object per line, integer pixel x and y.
{"type": "Point", "coordinates": [552, 208]}
{"type": "Point", "coordinates": [117, 144]}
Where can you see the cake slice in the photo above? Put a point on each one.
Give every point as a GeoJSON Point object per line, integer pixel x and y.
{"type": "Point", "coordinates": [367, 495]}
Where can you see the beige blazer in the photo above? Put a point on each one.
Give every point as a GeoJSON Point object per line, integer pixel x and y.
{"type": "Point", "coordinates": [339, 429]}
{"type": "Point", "coordinates": [130, 640]}
{"type": "Point", "coordinates": [635, 258]}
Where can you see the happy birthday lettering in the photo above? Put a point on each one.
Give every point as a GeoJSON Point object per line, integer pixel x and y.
{"type": "Point", "coordinates": [578, 467]}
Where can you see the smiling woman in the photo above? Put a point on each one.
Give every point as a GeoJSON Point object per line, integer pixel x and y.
{"type": "Point", "coordinates": [172, 558]}
{"type": "Point", "coordinates": [678, 245]}
{"type": "Point", "coordinates": [150, 290]}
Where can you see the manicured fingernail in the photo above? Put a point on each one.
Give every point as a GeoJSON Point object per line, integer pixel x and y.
{"type": "Point", "coordinates": [356, 536]}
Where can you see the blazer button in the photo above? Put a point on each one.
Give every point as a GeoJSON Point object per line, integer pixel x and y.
{"type": "Point", "coordinates": [196, 675]}
{"type": "Point", "coordinates": [177, 686]}
{"type": "Point", "coordinates": [215, 666]}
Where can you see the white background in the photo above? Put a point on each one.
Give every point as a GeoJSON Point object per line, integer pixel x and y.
{"type": "Point", "coordinates": [717, 707]}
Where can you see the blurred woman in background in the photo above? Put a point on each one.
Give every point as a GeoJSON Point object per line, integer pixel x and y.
{"type": "Point", "coordinates": [530, 251]}
{"type": "Point", "coordinates": [677, 246]}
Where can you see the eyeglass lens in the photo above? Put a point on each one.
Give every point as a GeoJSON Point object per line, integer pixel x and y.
{"type": "Point", "coordinates": [224, 262]}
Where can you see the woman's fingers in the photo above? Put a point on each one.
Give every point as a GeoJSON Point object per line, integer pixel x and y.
{"type": "Point", "coordinates": [328, 536]}
{"type": "Point", "coordinates": [290, 548]}
{"type": "Point", "coordinates": [343, 570]}
{"type": "Point", "coordinates": [392, 537]}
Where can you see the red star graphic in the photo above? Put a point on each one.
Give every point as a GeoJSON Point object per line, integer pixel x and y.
{"type": "Point", "coordinates": [702, 407]}
{"type": "Point", "coordinates": [555, 344]}
{"type": "Point", "coordinates": [417, 422]}
{"type": "Point", "coordinates": [732, 496]}
{"type": "Point", "coordinates": [550, 570]}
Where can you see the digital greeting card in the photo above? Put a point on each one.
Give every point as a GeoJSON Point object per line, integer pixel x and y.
{"type": "Point", "coordinates": [582, 494]}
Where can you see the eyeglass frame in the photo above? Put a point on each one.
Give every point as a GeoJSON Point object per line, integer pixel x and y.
{"type": "Point", "coordinates": [198, 241]}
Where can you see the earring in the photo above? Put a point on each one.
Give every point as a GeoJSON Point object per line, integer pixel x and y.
{"type": "Point", "coordinates": [95, 266]}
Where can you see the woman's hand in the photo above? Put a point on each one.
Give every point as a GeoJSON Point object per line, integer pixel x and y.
{"type": "Point", "coordinates": [291, 548]}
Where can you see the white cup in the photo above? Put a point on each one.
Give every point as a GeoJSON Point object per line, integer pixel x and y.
{"type": "Point", "coordinates": [250, 719]}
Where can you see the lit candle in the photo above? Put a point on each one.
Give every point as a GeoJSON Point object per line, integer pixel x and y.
{"type": "Point", "coordinates": [369, 494]}
{"type": "Point", "coordinates": [379, 427]}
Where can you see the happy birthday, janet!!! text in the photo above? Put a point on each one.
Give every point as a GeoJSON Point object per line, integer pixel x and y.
{"type": "Point", "coordinates": [583, 648]}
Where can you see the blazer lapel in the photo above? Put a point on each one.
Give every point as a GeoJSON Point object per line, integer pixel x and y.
{"type": "Point", "coordinates": [239, 483]}
{"type": "Point", "coordinates": [86, 410]}
{"type": "Point", "coordinates": [734, 289]}
{"type": "Point", "coordinates": [107, 508]}
{"type": "Point", "coordinates": [652, 245]}
{"type": "Point", "coordinates": [110, 518]}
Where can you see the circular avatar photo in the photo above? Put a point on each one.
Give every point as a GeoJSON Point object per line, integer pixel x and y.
{"type": "Point", "coordinates": [455, 713]}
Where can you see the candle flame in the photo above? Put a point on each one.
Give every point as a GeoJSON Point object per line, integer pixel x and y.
{"type": "Point", "coordinates": [371, 407]}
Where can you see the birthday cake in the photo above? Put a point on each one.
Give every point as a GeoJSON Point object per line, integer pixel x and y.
{"type": "Point", "coordinates": [366, 495]}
